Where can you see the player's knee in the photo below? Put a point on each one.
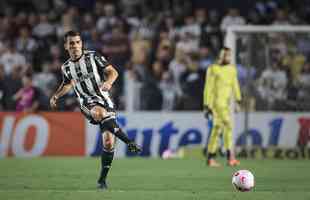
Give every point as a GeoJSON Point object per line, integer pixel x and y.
{"type": "Point", "coordinates": [228, 127]}
{"type": "Point", "coordinates": [108, 145]}
{"type": "Point", "coordinates": [108, 141]}
{"type": "Point", "coordinates": [97, 113]}
{"type": "Point", "coordinates": [217, 126]}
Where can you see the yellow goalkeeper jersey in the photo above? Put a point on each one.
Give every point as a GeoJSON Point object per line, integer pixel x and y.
{"type": "Point", "coordinates": [221, 85]}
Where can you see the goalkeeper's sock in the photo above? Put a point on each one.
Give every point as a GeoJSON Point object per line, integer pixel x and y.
{"type": "Point", "coordinates": [211, 156]}
{"type": "Point", "coordinates": [228, 154]}
{"type": "Point", "coordinates": [106, 160]}
{"type": "Point", "coordinates": [111, 125]}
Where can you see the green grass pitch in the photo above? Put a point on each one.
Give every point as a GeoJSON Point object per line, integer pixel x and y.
{"type": "Point", "coordinates": [63, 178]}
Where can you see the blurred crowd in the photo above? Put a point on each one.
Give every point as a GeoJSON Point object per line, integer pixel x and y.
{"type": "Point", "coordinates": [283, 83]}
{"type": "Point", "coordinates": [164, 46]}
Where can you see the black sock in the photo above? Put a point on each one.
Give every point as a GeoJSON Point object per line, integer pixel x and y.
{"type": "Point", "coordinates": [228, 154]}
{"type": "Point", "coordinates": [106, 160]}
{"type": "Point", "coordinates": [211, 156]}
{"type": "Point", "coordinates": [112, 126]}
{"type": "Point", "coordinates": [122, 136]}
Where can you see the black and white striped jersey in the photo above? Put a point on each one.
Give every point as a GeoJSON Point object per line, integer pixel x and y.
{"type": "Point", "coordinates": [87, 75]}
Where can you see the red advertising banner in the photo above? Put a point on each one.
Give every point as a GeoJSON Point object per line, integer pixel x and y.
{"type": "Point", "coordinates": [42, 134]}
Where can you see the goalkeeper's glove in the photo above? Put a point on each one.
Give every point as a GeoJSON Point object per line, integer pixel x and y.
{"type": "Point", "coordinates": [208, 113]}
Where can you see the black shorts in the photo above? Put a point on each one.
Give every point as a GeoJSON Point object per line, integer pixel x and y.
{"type": "Point", "coordinates": [86, 108]}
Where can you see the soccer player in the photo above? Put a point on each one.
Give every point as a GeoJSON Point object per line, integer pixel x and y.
{"type": "Point", "coordinates": [91, 76]}
{"type": "Point", "coordinates": [220, 87]}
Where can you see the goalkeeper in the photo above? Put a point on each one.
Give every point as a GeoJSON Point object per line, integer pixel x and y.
{"type": "Point", "coordinates": [220, 87]}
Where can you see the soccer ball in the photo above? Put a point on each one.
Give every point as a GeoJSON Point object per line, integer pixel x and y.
{"type": "Point", "coordinates": [243, 180]}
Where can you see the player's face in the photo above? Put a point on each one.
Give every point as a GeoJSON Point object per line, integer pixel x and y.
{"type": "Point", "coordinates": [74, 46]}
{"type": "Point", "coordinates": [227, 57]}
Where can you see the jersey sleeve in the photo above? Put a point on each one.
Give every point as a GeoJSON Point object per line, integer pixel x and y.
{"type": "Point", "coordinates": [65, 78]}
{"type": "Point", "coordinates": [236, 86]}
{"type": "Point", "coordinates": [209, 86]}
{"type": "Point", "coordinates": [101, 61]}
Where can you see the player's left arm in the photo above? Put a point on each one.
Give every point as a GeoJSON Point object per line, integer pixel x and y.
{"type": "Point", "coordinates": [236, 86]}
{"type": "Point", "coordinates": [111, 76]}
{"type": "Point", "coordinates": [109, 71]}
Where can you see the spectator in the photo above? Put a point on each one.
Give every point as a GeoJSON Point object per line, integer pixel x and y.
{"type": "Point", "coordinates": [44, 28]}
{"type": "Point", "coordinates": [201, 16]}
{"type": "Point", "coordinates": [272, 84]}
{"type": "Point", "coordinates": [211, 34]}
{"type": "Point", "coordinates": [151, 95]}
{"type": "Point", "coordinates": [278, 46]}
{"type": "Point", "coordinates": [25, 44]}
{"type": "Point", "coordinates": [55, 68]}
{"type": "Point", "coordinates": [7, 28]}
{"type": "Point", "coordinates": [294, 62]}
{"type": "Point", "coordinates": [206, 57]}
{"type": "Point", "coordinates": [67, 22]}
{"type": "Point", "coordinates": [94, 41]}
{"type": "Point", "coordinates": [168, 25]}
{"type": "Point", "coordinates": [177, 67]}
{"type": "Point", "coordinates": [32, 20]}
{"type": "Point", "coordinates": [86, 26]}
{"type": "Point", "coordinates": [2, 48]}
{"type": "Point", "coordinates": [27, 98]}
{"type": "Point", "coordinates": [188, 43]}
{"type": "Point", "coordinates": [2, 88]}
{"type": "Point", "coordinates": [164, 53]}
{"type": "Point", "coordinates": [169, 91]}
{"type": "Point", "coordinates": [11, 58]}
{"type": "Point", "coordinates": [191, 27]}
{"type": "Point", "coordinates": [45, 80]}
{"type": "Point", "coordinates": [140, 49]}
{"type": "Point", "coordinates": [106, 22]}
{"type": "Point", "coordinates": [232, 18]}
{"type": "Point", "coordinates": [20, 20]}
{"type": "Point", "coordinates": [281, 18]}
{"type": "Point", "coordinates": [304, 84]}
{"type": "Point", "coordinates": [131, 16]}
{"type": "Point", "coordinates": [12, 83]}
{"type": "Point", "coordinates": [117, 48]}
{"type": "Point", "coordinates": [192, 82]}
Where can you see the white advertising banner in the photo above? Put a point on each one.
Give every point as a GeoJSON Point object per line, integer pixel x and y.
{"type": "Point", "coordinates": [156, 132]}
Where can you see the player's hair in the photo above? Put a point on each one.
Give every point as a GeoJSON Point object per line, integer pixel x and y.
{"type": "Point", "coordinates": [226, 49]}
{"type": "Point", "coordinates": [71, 34]}
{"type": "Point", "coordinates": [222, 54]}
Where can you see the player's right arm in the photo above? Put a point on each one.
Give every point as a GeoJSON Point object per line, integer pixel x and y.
{"type": "Point", "coordinates": [208, 88]}
{"type": "Point", "coordinates": [236, 86]}
{"type": "Point", "coordinates": [63, 89]}
{"type": "Point", "coordinates": [207, 93]}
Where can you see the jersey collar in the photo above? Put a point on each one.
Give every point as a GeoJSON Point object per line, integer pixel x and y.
{"type": "Point", "coordinates": [76, 60]}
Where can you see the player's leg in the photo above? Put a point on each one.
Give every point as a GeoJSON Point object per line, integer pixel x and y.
{"type": "Point", "coordinates": [108, 123]}
{"type": "Point", "coordinates": [213, 141]}
{"type": "Point", "coordinates": [108, 142]}
{"type": "Point", "coordinates": [228, 138]}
